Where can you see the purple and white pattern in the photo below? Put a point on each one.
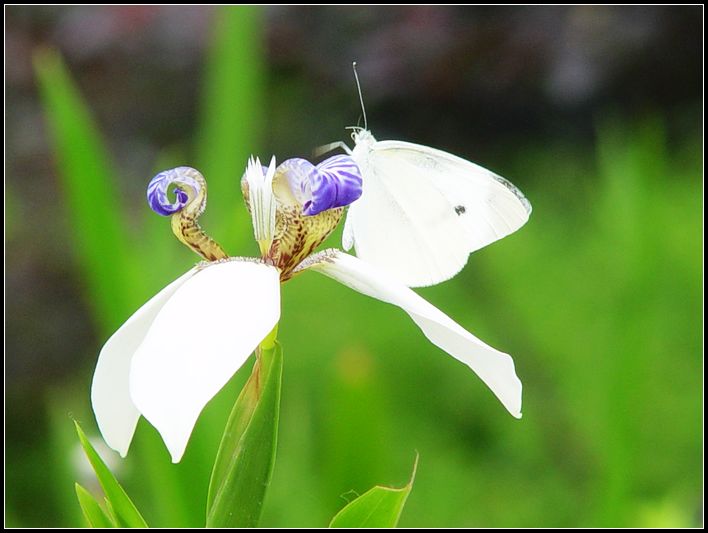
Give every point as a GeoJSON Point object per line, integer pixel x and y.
{"type": "Point", "coordinates": [186, 187]}
{"type": "Point", "coordinates": [335, 182]}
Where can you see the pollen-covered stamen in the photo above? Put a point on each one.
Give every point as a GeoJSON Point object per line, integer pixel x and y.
{"type": "Point", "coordinates": [189, 187]}
{"type": "Point", "coordinates": [257, 185]}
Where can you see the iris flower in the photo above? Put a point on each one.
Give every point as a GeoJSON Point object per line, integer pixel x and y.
{"type": "Point", "coordinates": [181, 347]}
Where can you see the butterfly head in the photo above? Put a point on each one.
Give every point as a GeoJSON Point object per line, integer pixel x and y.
{"type": "Point", "coordinates": [361, 136]}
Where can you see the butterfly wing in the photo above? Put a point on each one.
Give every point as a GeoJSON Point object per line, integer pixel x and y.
{"type": "Point", "coordinates": [423, 211]}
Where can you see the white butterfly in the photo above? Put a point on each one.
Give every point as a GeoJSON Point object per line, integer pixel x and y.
{"type": "Point", "coordinates": [423, 211]}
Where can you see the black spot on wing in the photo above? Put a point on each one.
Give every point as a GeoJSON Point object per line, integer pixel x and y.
{"type": "Point", "coordinates": [460, 209]}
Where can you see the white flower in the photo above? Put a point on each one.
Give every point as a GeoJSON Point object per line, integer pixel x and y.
{"type": "Point", "coordinates": [180, 348]}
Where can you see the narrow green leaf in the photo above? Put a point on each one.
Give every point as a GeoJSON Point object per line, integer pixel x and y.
{"type": "Point", "coordinates": [97, 231]}
{"type": "Point", "coordinates": [378, 507]}
{"type": "Point", "coordinates": [244, 462]}
{"type": "Point", "coordinates": [126, 513]}
{"type": "Point", "coordinates": [111, 512]}
{"type": "Point", "coordinates": [94, 514]}
{"type": "Point", "coordinates": [232, 119]}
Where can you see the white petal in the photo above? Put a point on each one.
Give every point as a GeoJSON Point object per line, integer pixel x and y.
{"type": "Point", "coordinates": [200, 338]}
{"type": "Point", "coordinates": [494, 367]}
{"type": "Point", "coordinates": [348, 233]}
{"type": "Point", "coordinates": [115, 413]}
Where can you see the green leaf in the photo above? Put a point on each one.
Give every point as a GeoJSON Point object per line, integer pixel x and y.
{"type": "Point", "coordinates": [232, 119]}
{"type": "Point", "coordinates": [94, 514]}
{"type": "Point", "coordinates": [125, 512]}
{"type": "Point", "coordinates": [244, 462]}
{"type": "Point", "coordinates": [98, 232]}
{"type": "Point", "coordinates": [378, 507]}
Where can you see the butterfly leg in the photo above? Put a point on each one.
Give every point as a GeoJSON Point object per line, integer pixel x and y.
{"type": "Point", "coordinates": [321, 150]}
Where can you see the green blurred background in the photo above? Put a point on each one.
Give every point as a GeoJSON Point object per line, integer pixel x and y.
{"type": "Point", "coordinates": [594, 112]}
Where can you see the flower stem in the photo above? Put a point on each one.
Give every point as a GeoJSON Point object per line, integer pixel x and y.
{"type": "Point", "coordinates": [244, 462]}
{"type": "Point", "coordinates": [269, 342]}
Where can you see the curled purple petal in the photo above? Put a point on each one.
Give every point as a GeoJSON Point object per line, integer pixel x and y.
{"type": "Point", "coordinates": [335, 182]}
{"type": "Point", "coordinates": [186, 186]}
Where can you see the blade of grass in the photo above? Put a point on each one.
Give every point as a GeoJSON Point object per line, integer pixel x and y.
{"type": "Point", "coordinates": [90, 187]}
{"type": "Point", "coordinates": [95, 516]}
{"type": "Point", "coordinates": [629, 159]}
{"type": "Point", "coordinates": [232, 119]}
{"type": "Point", "coordinates": [125, 512]}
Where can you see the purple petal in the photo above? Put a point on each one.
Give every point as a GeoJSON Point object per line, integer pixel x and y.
{"type": "Point", "coordinates": [335, 182]}
{"type": "Point", "coordinates": [185, 187]}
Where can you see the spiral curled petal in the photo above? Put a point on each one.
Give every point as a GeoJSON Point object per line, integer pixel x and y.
{"type": "Point", "coordinates": [335, 182]}
{"type": "Point", "coordinates": [187, 187]}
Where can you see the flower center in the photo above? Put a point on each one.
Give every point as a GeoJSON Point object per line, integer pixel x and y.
{"type": "Point", "coordinates": [310, 202]}
{"type": "Point", "coordinates": [294, 207]}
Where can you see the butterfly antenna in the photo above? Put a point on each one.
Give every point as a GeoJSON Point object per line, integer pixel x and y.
{"type": "Point", "coordinates": [361, 98]}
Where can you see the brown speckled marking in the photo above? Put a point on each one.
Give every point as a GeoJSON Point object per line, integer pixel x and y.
{"type": "Point", "coordinates": [187, 229]}
{"type": "Point", "coordinates": [296, 235]}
